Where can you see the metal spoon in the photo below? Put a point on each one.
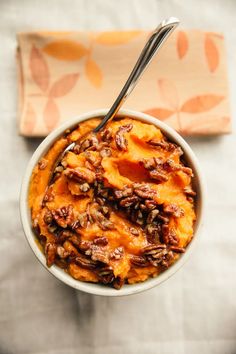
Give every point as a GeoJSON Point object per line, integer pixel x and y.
{"type": "Point", "coordinates": [154, 43]}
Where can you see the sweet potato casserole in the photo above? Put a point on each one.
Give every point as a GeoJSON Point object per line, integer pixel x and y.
{"type": "Point", "coordinates": [120, 206]}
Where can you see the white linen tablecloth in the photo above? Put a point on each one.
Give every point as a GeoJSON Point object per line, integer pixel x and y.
{"type": "Point", "coordinates": [195, 311]}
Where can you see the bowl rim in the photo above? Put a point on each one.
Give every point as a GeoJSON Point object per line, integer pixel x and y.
{"type": "Point", "coordinates": [94, 288]}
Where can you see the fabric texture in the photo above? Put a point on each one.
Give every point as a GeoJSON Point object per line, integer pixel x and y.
{"type": "Point", "coordinates": [63, 74]}
{"type": "Point", "coordinates": [192, 312]}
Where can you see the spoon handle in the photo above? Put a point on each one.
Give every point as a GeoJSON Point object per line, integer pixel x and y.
{"type": "Point", "coordinates": [152, 46]}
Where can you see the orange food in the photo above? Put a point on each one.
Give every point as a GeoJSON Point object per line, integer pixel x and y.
{"type": "Point", "coordinates": [120, 208]}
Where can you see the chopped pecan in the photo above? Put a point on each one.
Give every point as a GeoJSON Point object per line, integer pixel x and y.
{"type": "Point", "coordinates": [123, 193]}
{"type": "Point", "coordinates": [169, 235]}
{"type": "Point", "coordinates": [63, 216]}
{"type": "Point", "coordinates": [85, 245]}
{"type": "Point", "coordinates": [106, 135]}
{"type": "Point", "coordinates": [150, 204]}
{"type": "Point", "coordinates": [151, 249]}
{"type": "Point", "coordinates": [49, 196]}
{"type": "Point", "coordinates": [90, 143]}
{"type": "Point", "coordinates": [118, 282]}
{"type": "Point", "coordinates": [144, 191]}
{"type": "Point", "coordinates": [165, 145]}
{"type": "Point", "coordinates": [98, 254]}
{"type": "Point", "coordinates": [128, 201]}
{"type": "Point", "coordinates": [153, 233]}
{"type": "Point", "coordinates": [84, 187]}
{"type": "Point", "coordinates": [105, 152]}
{"type": "Point", "coordinates": [62, 253]}
{"type": "Point", "coordinates": [48, 218]}
{"type": "Point", "coordinates": [117, 253]}
{"type": "Point", "coordinates": [80, 175]}
{"type": "Point", "coordinates": [158, 176]}
{"type": "Point", "coordinates": [121, 141]}
{"type": "Point", "coordinates": [106, 275]}
{"type": "Point", "coordinates": [50, 252]}
{"type": "Point", "coordinates": [189, 191]}
{"type": "Point", "coordinates": [139, 261]}
{"type": "Point", "coordinates": [98, 217]}
{"type": "Point", "coordinates": [149, 164]}
{"type": "Point", "coordinates": [93, 159]}
{"type": "Point", "coordinates": [152, 215]}
{"type": "Point", "coordinates": [174, 210]}
{"type": "Point", "coordinates": [85, 262]}
{"type": "Point", "coordinates": [134, 231]}
{"type": "Point", "coordinates": [177, 249]}
{"type": "Point", "coordinates": [101, 241]}
{"type": "Point", "coordinates": [81, 221]}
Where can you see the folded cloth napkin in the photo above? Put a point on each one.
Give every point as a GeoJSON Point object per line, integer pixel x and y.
{"type": "Point", "coordinates": [63, 74]}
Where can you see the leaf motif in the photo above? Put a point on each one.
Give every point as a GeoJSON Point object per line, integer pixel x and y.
{"type": "Point", "coordinates": [116, 37]}
{"type": "Point", "coordinates": [160, 113]}
{"type": "Point", "coordinates": [208, 125]}
{"type": "Point", "coordinates": [51, 114]}
{"type": "Point", "coordinates": [93, 73]}
{"type": "Point", "coordinates": [169, 93]}
{"type": "Point", "coordinates": [39, 69]}
{"type": "Point", "coordinates": [182, 44]}
{"type": "Point", "coordinates": [201, 103]}
{"type": "Point", "coordinates": [212, 55]}
{"type": "Point", "coordinates": [65, 50]}
{"type": "Point", "coordinates": [29, 120]}
{"type": "Point", "coordinates": [64, 85]}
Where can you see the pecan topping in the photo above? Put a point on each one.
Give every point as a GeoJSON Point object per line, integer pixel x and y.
{"type": "Point", "coordinates": [62, 253]}
{"type": "Point", "coordinates": [117, 253]}
{"type": "Point", "coordinates": [50, 252]}
{"type": "Point", "coordinates": [85, 262]}
{"type": "Point", "coordinates": [134, 231]}
{"type": "Point", "coordinates": [85, 245]}
{"type": "Point", "coordinates": [90, 143]}
{"type": "Point", "coordinates": [98, 217]}
{"type": "Point", "coordinates": [98, 254]}
{"type": "Point", "coordinates": [80, 175]}
{"type": "Point", "coordinates": [189, 191]}
{"type": "Point", "coordinates": [63, 216]}
{"type": "Point", "coordinates": [177, 249]}
{"type": "Point", "coordinates": [48, 218]}
{"type": "Point", "coordinates": [126, 192]}
{"type": "Point", "coordinates": [128, 201]}
{"type": "Point", "coordinates": [165, 145]}
{"type": "Point", "coordinates": [100, 241]}
{"type": "Point", "coordinates": [152, 215]}
{"type": "Point", "coordinates": [121, 141]}
{"type": "Point", "coordinates": [81, 221]}
{"type": "Point", "coordinates": [174, 210]}
{"type": "Point", "coordinates": [169, 235]}
{"type": "Point", "coordinates": [49, 196]}
{"type": "Point", "coordinates": [158, 176]}
{"type": "Point", "coordinates": [105, 152]}
{"type": "Point", "coordinates": [139, 261]}
{"type": "Point", "coordinates": [106, 275]}
{"type": "Point", "coordinates": [144, 191]}
{"type": "Point", "coordinates": [153, 233]}
{"type": "Point", "coordinates": [118, 282]}
{"type": "Point", "coordinates": [106, 135]}
{"type": "Point", "coordinates": [84, 187]}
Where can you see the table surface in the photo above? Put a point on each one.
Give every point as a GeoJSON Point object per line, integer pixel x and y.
{"type": "Point", "coordinates": [195, 311]}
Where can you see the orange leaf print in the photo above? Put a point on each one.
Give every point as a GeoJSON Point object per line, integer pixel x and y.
{"type": "Point", "coordinates": [51, 115]}
{"type": "Point", "coordinates": [169, 93]}
{"type": "Point", "coordinates": [64, 85]}
{"type": "Point", "coordinates": [65, 50]}
{"type": "Point", "coordinates": [208, 125]}
{"type": "Point", "coordinates": [212, 55]}
{"type": "Point", "coordinates": [39, 69]}
{"type": "Point", "coordinates": [93, 73]}
{"type": "Point", "coordinates": [116, 37]}
{"type": "Point", "coordinates": [182, 44]}
{"type": "Point", "coordinates": [201, 103]}
{"type": "Point", "coordinates": [29, 120]}
{"type": "Point", "coordinates": [160, 113]}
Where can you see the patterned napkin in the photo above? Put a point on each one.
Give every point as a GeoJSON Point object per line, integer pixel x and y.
{"type": "Point", "coordinates": [63, 74]}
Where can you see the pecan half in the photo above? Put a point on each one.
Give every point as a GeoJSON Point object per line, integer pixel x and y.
{"type": "Point", "coordinates": [84, 262]}
{"type": "Point", "coordinates": [174, 210]}
{"type": "Point", "coordinates": [81, 221]}
{"type": "Point", "coordinates": [158, 176]}
{"type": "Point", "coordinates": [152, 215]}
{"type": "Point", "coordinates": [123, 193]}
{"type": "Point", "coordinates": [106, 135]}
{"type": "Point", "coordinates": [128, 201]}
{"type": "Point", "coordinates": [98, 254]}
{"type": "Point", "coordinates": [63, 216]}
{"type": "Point", "coordinates": [62, 253]}
{"type": "Point", "coordinates": [50, 252]}
{"type": "Point", "coordinates": [139, 261]}
{"type": "Point", "coordinates": [117, 253]}
{"type": "Point", "coordinates": [80, 175]}
{"type": "Point", "coordinates": [106, 275]}
{"type": "Point", "coordinates": [177, 249]}
{"type": "Point", "coordinates": [144, 191]}
{"type": "Point", "coordinates": [118, 283]}
{"type": "Point", "coordinates": [101, 241]}
{"type": "Point", "coordinates": [121, 141]}
{"type": "Point", "coordinates": [169, 235]}
{"type": "Point", "coordinates": [99, 218]}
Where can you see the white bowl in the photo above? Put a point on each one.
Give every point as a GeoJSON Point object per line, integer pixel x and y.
{"type": "Point", "coordinates": [99, 289]}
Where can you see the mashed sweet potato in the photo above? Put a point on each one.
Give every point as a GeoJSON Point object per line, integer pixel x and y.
{"type": "Point", "coordinates": [120, 206]}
